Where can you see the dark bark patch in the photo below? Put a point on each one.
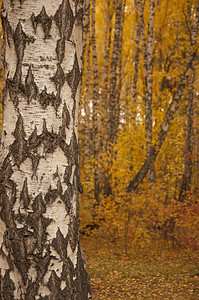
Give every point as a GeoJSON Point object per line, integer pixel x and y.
{"type": "Point", "coordinates": [54, 285]}
{"type": "Point", "coordinates": [60, 50]}
{"type": "Point", "coordinates": [12, 3]}
{"type": "Point", "coordinates": [62, 135]}
{"type": "Point", "coordinates": [73, 233]}
{"type": "Point", "coordinates": [66, 198]}
{"type": "Point", "coordinates": [35, 162]}
{"type": "Point", "coordinates": [38, 222]}
{"type": "Point", "coordinates": [72, 150]}
{"type": "Point", "coordinates": [57, 101]}
{"type": "Point", "coordinates": [19, 147]}
{"type": "Point", "coordinates": [7, 28]}
{"type": "Point", "coordinates": [20, 40]}
{"type": "Point", "coordinates": [60, 244]}
{"type": "Point", "coordinates": [24, 233]}
{"type": "Point", "coordinates": [51, 196]}
{"type": "Point", "coordinates": [19, 254]}
{"type": "Point", "coordinates": [44, 20]}
{"type": "Point", "coordinates": [50, 142]}
{"type": "Point", "coordinates": [33, 139]}
{"type": "Point", "coordinates": [5, 174]}
{"type": "Point", "coordinates": [45, 130]}
{"type": "Point", "coordinates": [56, 174]}
{"type": "Point", "coordinates": [65, 121]}
{"type": "Point", "coordinates": [30, 86]}
{"type": "Point", "coordinates": [78, 14]}
{"type": "Point", "coordinates": [59, 188]}
{"type": "Point", "coordinates": [45, 99]}
{"type": "Point", "coordinates": [34, 23]}
{"type": "Point", "coordinates": [67, 174]}
{"type": "Point", "coordinates": [39, 206]}
{"type": "Point", "coordinates": [65, 117]}
{"type": "Point", "coordinates": [83, 278]}
{"type": "Point", "coordinates": [19, 130]}
{"type": "Point", "coordinates": [14, 91]}
{"type": "Point", "coordinates": [73, 77]}
{"type": "Point", "coordinates": [42, 265]}
{"type": "Point", "coordinates": [45, 223]}
{"type": "Point", "coordinates": [21, 2]}
{"type": "Point", "coordinates": [24, 197]}
{"type": "Point", "coordinates": [59, 77]}
{"type": "Point", "coordinates": [32, 290]}
{"type": "Point", "coordinates": [8, 286]}
{"type": "Point", "coordinates": [64, 20]}
{"type": "Point", "coordinates": [75, 148]}
{"type": "Point", "coordinates": [68, 273]}
{"type": "Point", "coordinates": [79, 184]}
{"type": "Point", "coordinates": [13, 193]}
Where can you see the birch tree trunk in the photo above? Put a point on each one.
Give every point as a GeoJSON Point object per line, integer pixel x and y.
{"type": "Point", "coordinates": [95, 96]}
{"type": "Point", "coordinates": [40, 256]}
{"type": "Point", "coordinates": [148, 70]}
{"type": "Point", "coordinates": [137, 52]}
{"type": "Point", "coordinates": [113, 121]}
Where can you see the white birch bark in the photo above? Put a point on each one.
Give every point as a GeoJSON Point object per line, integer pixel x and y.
{"type": "Point", "coordinates": [40, 255]}
{"type": "Point", "coordinates": [148, 71]}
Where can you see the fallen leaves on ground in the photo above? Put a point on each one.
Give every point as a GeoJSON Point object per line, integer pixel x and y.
{"type": "Point", "coordinates": [115, 276]}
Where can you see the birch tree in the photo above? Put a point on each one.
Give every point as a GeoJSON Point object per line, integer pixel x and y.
{"type": "Point", "coordinates": [40, 255]}
{"type": "Point", "coordinates": [113, 117]}
{"type": "Point", "coordinates": [147, 48]}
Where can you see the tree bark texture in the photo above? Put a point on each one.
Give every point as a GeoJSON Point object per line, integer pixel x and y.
{"type": "Point", "coordinates": [40, 256]}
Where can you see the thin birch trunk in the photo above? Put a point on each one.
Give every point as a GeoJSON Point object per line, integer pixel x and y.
{"type": "Point", "coordinates": [148, 70]}
{"type": "Point", "coordinates": [96, 137]}
{"type": "Point", "coordinates": [40, 255]}
{"type": "Point", "coordinates": [88, 134]}
{"type": "Point", "coordinates": [105, 75]}
{"type": "Point", "coordinates": [113, 103]}
{"type": "Point", "coordinates": [120, 68]}
{"type": "Point", "coordinates": [137, 53]}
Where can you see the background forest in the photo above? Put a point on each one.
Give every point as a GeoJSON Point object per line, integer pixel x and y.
{"type": "Point", "coordinates": [138, 134]}
{"type": "Point", "coordinates": [138, 123]}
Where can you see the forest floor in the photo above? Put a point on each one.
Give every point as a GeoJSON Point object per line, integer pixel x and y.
{"type": "Point", "coordinates": [160, 274]}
